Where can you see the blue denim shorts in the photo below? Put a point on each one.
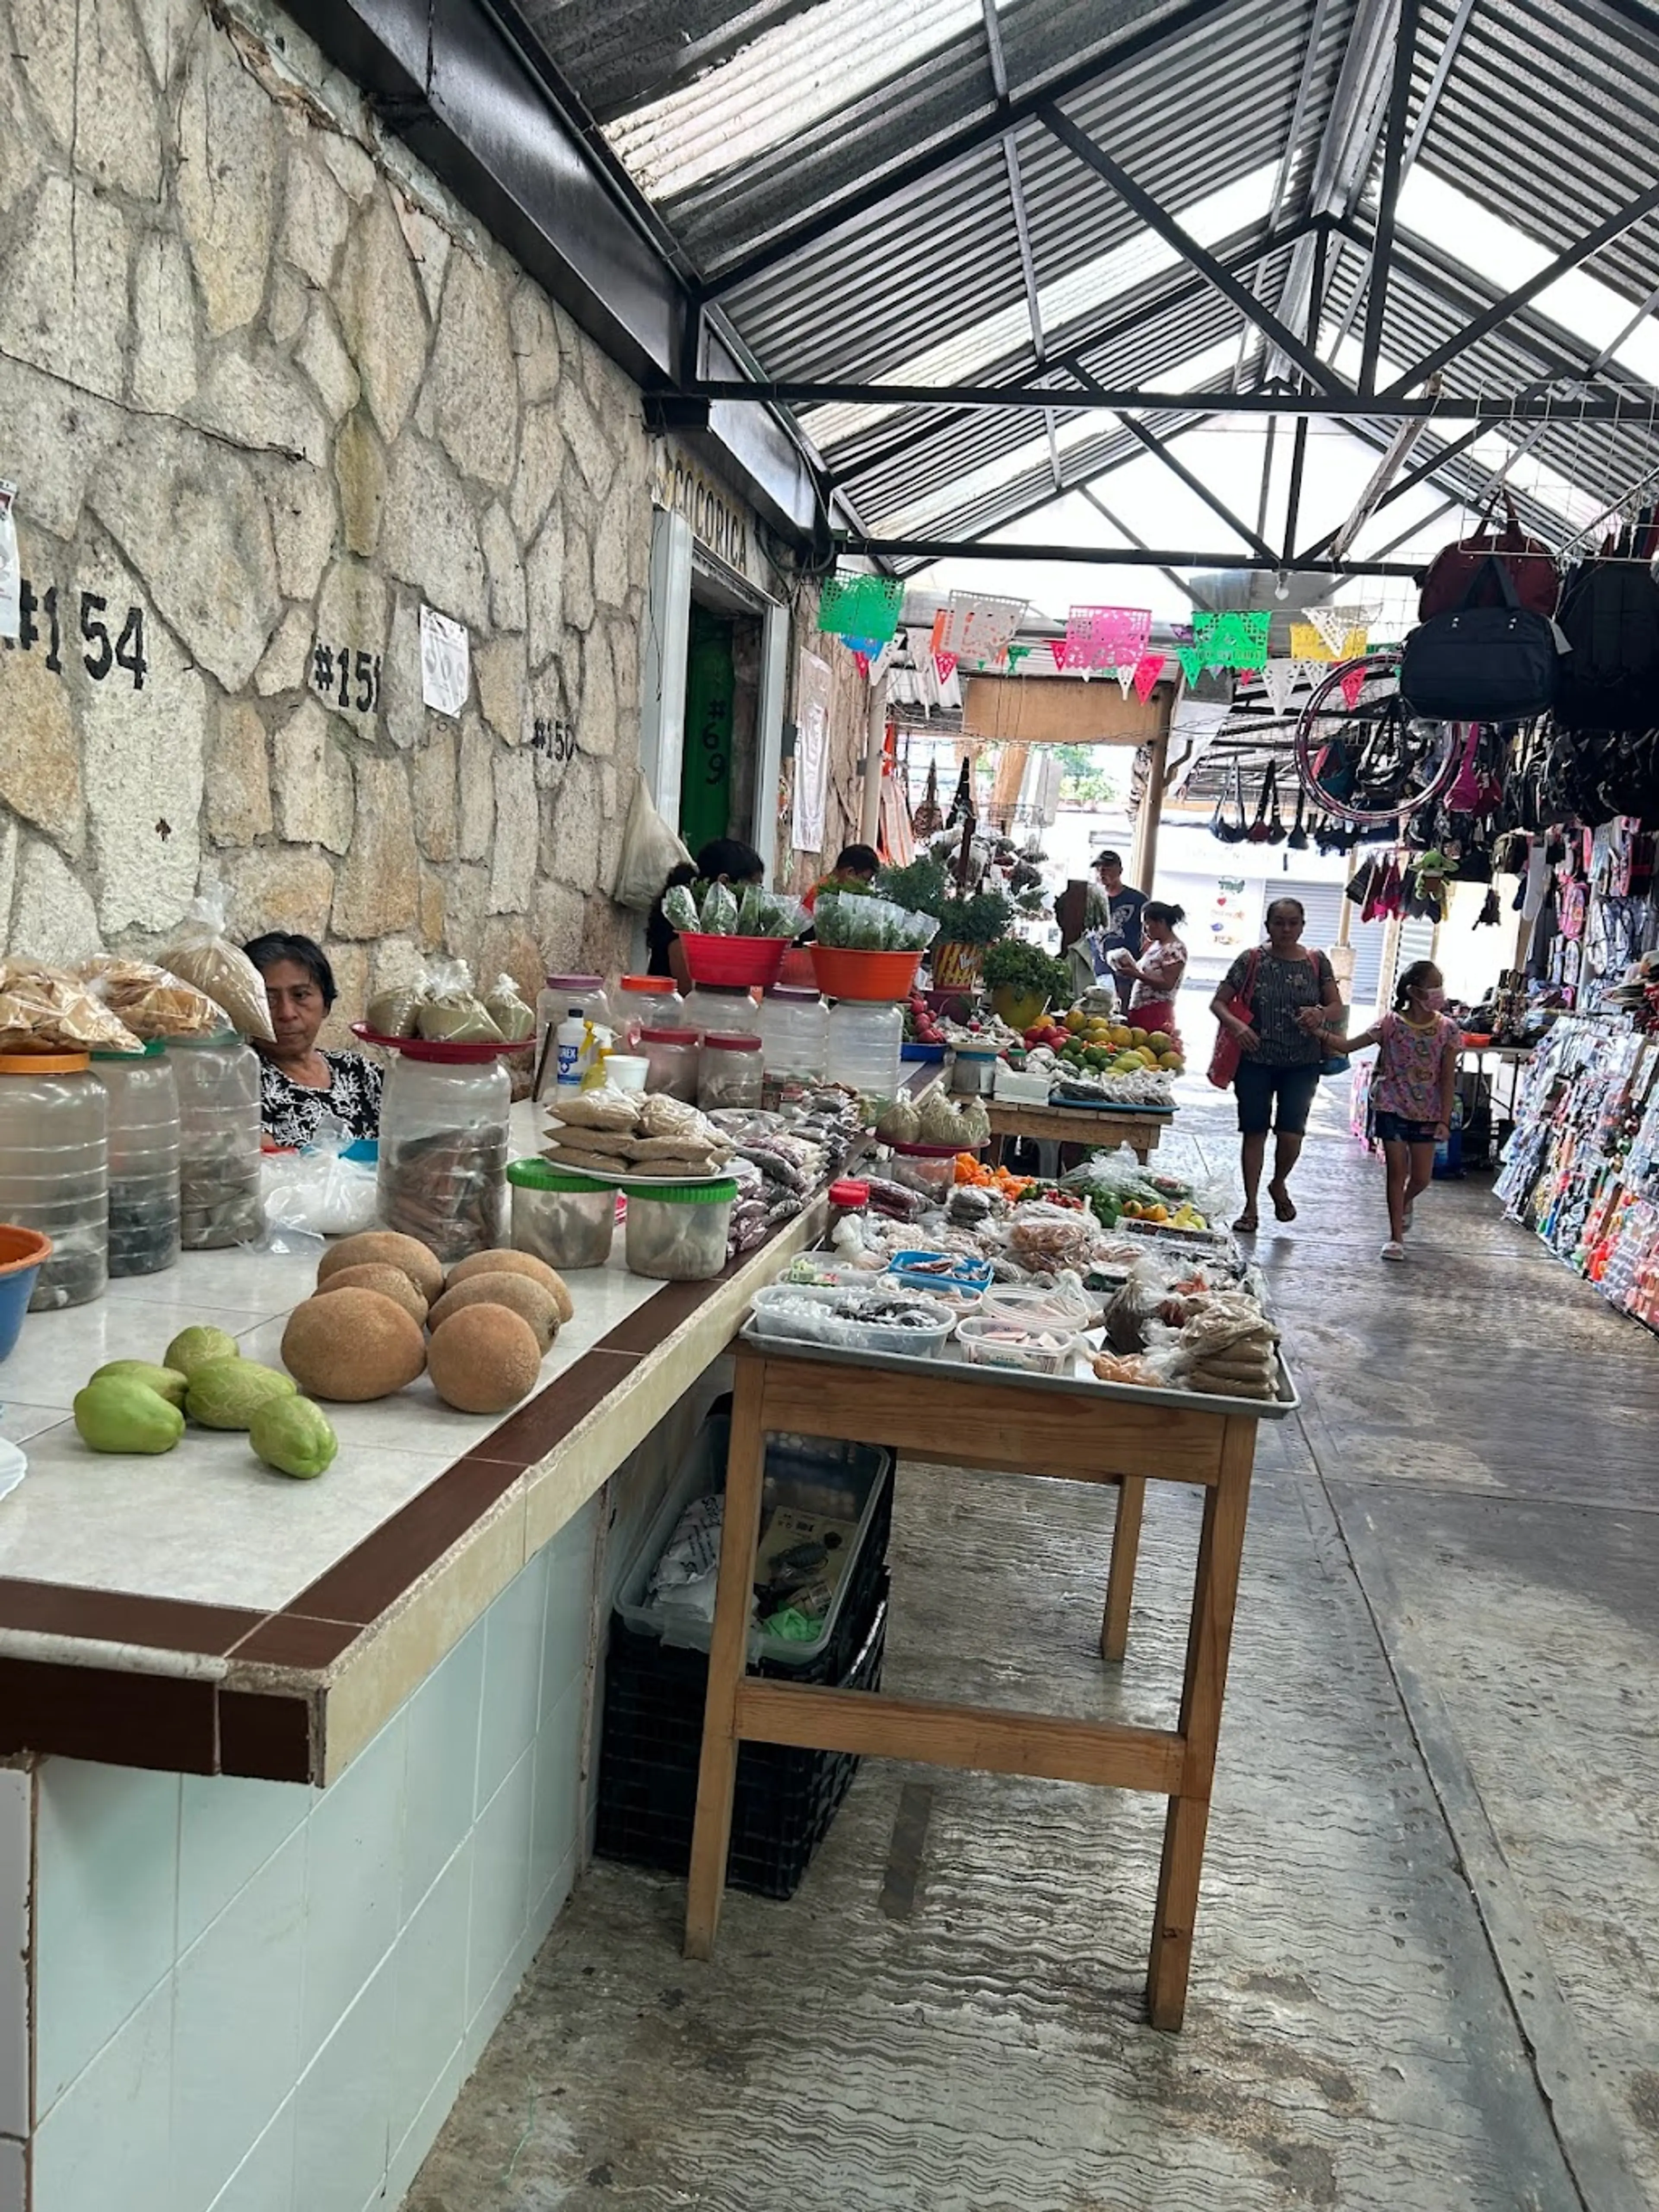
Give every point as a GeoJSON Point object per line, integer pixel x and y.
{"type": "Point", "coordinates": [1395, 1129]}
{"type": "Point", "coordinates": [1274, 1097]}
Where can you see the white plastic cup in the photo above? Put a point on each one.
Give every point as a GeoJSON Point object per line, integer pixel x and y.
{"type": "Point", "coordinates": [627, 1071]}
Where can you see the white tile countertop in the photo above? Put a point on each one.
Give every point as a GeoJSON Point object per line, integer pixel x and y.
{"type": "Point", "coordinates": [197, 1610]}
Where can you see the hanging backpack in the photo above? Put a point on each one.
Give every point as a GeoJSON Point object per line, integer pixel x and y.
{"type": "Point", "coordinates": [1459, 571]}
{"type": "Point", "coordinates": [1610, 617]}
{"type": "Point", "coordinates": [1482, 663]}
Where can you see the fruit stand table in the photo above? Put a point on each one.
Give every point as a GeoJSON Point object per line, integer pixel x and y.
{"type": "Point", "coordinates": [1138, 1126]}
{"type": "Point", "coordinates": [944, 1409]}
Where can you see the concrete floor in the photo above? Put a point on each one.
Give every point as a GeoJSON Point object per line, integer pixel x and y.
{"type": "Point", "coordinates": [1425, 1962]}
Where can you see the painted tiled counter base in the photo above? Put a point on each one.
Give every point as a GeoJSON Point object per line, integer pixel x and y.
{"type": "Point", "coordinates": [293, 1775]}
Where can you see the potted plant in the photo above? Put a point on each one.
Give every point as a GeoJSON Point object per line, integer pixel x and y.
{"type": "Point", "coordinates": [966, 927]}
{"type": "Point", "coordinates": [1023, 980]}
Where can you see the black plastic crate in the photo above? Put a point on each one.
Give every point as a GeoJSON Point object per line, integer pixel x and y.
{"type": "Point", "coordinates": [784, 1798]}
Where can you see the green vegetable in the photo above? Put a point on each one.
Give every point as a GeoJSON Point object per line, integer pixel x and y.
{"type": "Point", "coordinates": [980, 920]}
{"type": "Point", "coordinates": [679, 908]}
{"type": "Point", "coordinates": [120, 1415]}
{"type": "Point", "coordinates": [194, 1347]}
{"type": "Point", "coordinates": [848, 923]}
{"type": "Point", "coordinates": [293, 1435]}
{"type": "Point", "coordinates": [226, 1393]}
{"type": "Point", "coordinates": [166, 1381]}
{"type": "Point", "coordinates": [1012, 964]}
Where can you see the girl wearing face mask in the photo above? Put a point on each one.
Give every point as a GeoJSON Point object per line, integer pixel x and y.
{"type": "Point", "coordinates": [1413, 1086]}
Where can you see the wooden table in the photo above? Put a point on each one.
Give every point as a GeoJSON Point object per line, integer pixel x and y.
{"type": "Point", "coordinates": [1082, 1431]}
{"type": "Point", "coordinates": [1076, 1125]}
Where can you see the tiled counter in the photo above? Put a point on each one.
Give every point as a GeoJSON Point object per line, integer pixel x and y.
{"type": "Point", "coordinates": [298, 1776]}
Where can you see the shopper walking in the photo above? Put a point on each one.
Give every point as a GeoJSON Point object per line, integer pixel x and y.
{"type": "Point", "coordinates": [1155, 977]}
{"type": "Point", "coordinates": [1295, 1008]}
{"type": "Point", "coordinates": [1413, 1086]}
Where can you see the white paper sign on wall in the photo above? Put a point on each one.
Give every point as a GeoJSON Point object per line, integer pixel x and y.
{"type": "Point", "coordinates": [446, 662]}
{"type": "Point", "coordinates": [812, 752]}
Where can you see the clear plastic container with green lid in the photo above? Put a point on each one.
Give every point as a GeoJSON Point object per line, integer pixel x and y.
{"type": "Point", "coordinates": [219, 1202]}
{"type": "Point", "coordinates": [144, 1152]}
{"type": "Point", "coordinates": [677, 1233]}
{"type": "Point", "coordinates": [566, 1220]}
{"type": "Point", "coordinates": [54, 1169]}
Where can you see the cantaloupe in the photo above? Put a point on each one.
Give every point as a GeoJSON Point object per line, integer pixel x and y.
{"type": "Point", "coordinates": [386, 1247]}
{"type": "Point", "coordinates": [351, 1344]}
{"type": "Point", "coordinates": [507, 1263]}
{"type": "Point", "coordinates": [378, 1275]}
{"type": "Point", "coordinates": [483, 1359]}
{"type": "Point", "coordinates": [520, 1294]}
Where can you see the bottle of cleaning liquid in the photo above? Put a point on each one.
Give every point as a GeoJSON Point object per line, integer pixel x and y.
{"type": "Point", "coordinates": [568, 1040]}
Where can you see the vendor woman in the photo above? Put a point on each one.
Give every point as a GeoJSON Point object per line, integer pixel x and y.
{"type": "Point", "coordinates": [299, 1084]}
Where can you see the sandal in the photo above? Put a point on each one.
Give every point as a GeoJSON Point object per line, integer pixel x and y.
{"type": "Point", "coordinates": [1283, 1209]}
{"type": "Point", "coordinates": [1246, 1224]}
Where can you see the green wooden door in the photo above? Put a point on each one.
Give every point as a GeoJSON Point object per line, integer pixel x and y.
{"type": "Point", "coordinates": [706, 779]}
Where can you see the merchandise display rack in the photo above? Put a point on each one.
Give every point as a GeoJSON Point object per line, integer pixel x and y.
{"type": "Point", "coordinates": [1582, 1166]}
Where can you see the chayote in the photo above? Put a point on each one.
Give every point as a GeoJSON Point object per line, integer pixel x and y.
{"type": "Point", "coordinates": [120, 1415]}
{"type": "Point", "coordinates": [193, 1347]}
{"type": "Point", "coordinates": [293, 1435]}
{"type": "Point", "coordinates": [226, 1393]}
{"type": "Point", "coordinates": [168, 1383]}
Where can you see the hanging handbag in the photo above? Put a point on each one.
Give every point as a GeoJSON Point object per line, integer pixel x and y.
{"type": "Point", "coordinates": [1227, 1052]}
{"type": "Point", "coordinates": [1276, 829]}
{"type": "Point", "coordinates": [1298, 840]}
{"type": "Point", "coordinates": [1258, 832]}
{"type": "Point", "coordinates": [1456, 570]}
{"type": "Point", "coordinates": [1481, 664]}
{"type": "Point", "coordinates": [1232, 833]}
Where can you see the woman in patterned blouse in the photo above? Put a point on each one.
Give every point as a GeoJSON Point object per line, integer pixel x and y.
{"type": "Point", "coordinates": [1294, 1001]}
{"type": "Point", "coordinates": [300, 1085]}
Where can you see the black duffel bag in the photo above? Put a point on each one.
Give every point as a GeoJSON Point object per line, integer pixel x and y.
{"type": "Point", "coordinates": [1482, 663]}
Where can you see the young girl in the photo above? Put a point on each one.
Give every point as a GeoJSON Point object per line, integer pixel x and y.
{"type": "Point", "coordinates": [1412, 1090]}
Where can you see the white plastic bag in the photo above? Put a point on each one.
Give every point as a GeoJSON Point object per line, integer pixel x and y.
{"type": "Point", "coordinates": [317, 1191]}
{"type": "Point", "coordinates": [650, 853]}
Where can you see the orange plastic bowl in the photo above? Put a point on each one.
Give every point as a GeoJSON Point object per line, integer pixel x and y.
{"type": "Point", "coordinates": [869, 976]}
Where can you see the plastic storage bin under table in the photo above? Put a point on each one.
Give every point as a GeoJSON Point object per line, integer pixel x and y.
{"type": "Point", "coordinates": [657, 1674]}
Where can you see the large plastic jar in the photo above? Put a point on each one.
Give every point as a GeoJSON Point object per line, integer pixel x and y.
{"type": "Point", "coordinates": [677, 1233]}
{"type": "Point", "coordinates": [54, 1169]}
{"type": "Point", "coordinates": [647, 1002]}
{"type": "Point", "coordinates": [585, 992]}
{"type": "Point", "coordinates": [563, 1219]}
{"type": "Point", "coordinates": [144, 1150]}
{"type": "Point", "coordinates": [729, 1075]}
{"type": "Point", "coordinates": [673, 1055]}
{"type": "Point", "coordinates": [865, 1036]}
{"type": "Point", "coordinates": [794, 1028]}
{"type": "Point", "coordinates": [219, 1138]}
{"type": "Point", "coordinates": [724, 1007]}
{"type": "Point", "coordinates": [443, 1152]}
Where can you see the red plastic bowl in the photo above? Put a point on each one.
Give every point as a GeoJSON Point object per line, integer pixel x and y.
{"type": "Point", "coordinates": [459, 1052]}
{"type": "Point", "coordinates": [743, 961]}
{"type": "Point", "coordinates": [869, 976]}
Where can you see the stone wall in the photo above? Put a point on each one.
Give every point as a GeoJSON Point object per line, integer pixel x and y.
{"type": "Point", "coordinates": [265, 389]}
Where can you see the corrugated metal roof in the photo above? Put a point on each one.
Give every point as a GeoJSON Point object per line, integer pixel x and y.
{"type": "Point", "coordinates": [745, 120]}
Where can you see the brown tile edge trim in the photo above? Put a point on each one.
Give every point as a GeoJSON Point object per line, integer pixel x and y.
{"type": "Point", "coordinates": [103, 1616]}
{"type": "Point", "coordinates": [100, 1713]}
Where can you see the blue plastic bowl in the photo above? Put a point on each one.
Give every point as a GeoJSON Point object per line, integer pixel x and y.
{"type": "Point", "coordinates": [23, 1253]}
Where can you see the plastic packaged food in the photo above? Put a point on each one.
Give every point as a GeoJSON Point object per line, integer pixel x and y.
{"type": "Point", "coordinates": [452, 1012]}
{"type": "Point", "coordinates": [994, 1340]}
{"type": "Point", "coordinates": [506, 1007]}
{"type": "Point", "coordinates": [144, 1147]}
{"type": "Point", "coordinates": [443, 1152]}
{"type": "Point", "coordinates": [47, 1010]}
{"type": "Point", "coordinates": [563, 1219]}
{"type": "Point", "coordinates": [220, 1200]}
{"type": "Point", "coordinates": [878, 1317]}
{"type": "Point", "coordinates": [677, 1233]}
{"type": "Point", "coordinates": [54, 1170]}
{"type": "Point", "coordinates": [148, 1000]}
{"type": "Point", "coordinates": [203, 954]}
{"type": "Point", "coordinates": [729, 1072]}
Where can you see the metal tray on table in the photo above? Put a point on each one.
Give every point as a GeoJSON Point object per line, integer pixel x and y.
{"type": "Point", "coordinates": [950, 1361]}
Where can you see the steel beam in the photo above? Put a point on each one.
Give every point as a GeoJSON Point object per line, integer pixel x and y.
{"type": "Point", "coordinates": [890, 184]}
{"type": "Point", "coordinates": [1179, 470]}
{"type": "Point", "coordinates": [1153, 214]}
{"type": "Point", "coordinates": [1523, 295]}
{"type": "Point", "coordinates": [1609, 406]}
{"type": "Point", "coordinates": [1394, 150]}
{"type": "Point", "coordinates": [976, 549]}
{"type": "Point", "coordinates": [1087, 491]}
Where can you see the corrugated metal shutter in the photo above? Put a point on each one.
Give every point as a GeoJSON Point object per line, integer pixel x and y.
{"type": "Point", "coordinates": [1323, 905]}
